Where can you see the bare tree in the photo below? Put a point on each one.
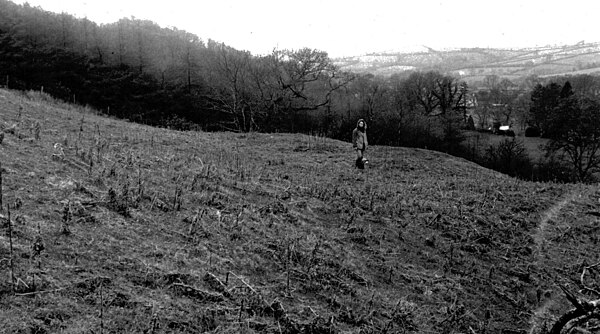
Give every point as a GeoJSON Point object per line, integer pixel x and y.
{"type": "Point", "coordinates": [293, 83]}
{"type": "Point", "coordinates": [586, 85]}
{"type": "Point", "coordinates": [299, 73]}
{"type": "Point", "coordinates": [449, 93]}
{"type": "Point", "coordinates": [66, 25]}
{"type": "Point", "coordinates": [121, 41]}
{"type": "Point", "coordinates": [140, 45]}
{"type": "Point", "coordinates": [234, 67]}
{"type": "Point", "coordinates": [491, 81]}
{"type": "Point", "coordinates": [482, 115]}
{"type": "Point", "coordinates": [420, 89]}
{"type": "Point", "coordinates": [521, 105]}
{"type": "Point", "coordinates": [574, 132]}
{"type": "Point", "coordinates": [371, 93]}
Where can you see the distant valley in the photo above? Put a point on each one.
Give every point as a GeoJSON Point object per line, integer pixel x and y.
{"type": "Point", "coordinates": [473, 64]}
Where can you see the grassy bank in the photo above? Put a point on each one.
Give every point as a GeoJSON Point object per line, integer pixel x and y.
{"type": "Point", "coordinates": [119, 227]}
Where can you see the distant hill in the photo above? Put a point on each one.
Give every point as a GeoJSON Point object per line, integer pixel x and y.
{"type": "Point", "coordinates": [475, 63]}
{"type": "Point", "coordinates": [118, 227]}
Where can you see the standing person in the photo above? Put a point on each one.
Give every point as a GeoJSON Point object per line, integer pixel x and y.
{"type": "Point", "coordinates": [359, 142]}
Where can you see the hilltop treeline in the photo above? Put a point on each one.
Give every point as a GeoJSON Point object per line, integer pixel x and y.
{"type": "Point", "coordinates": [163, 76]}
{"type": "Point", "coordinates": [137, 70]}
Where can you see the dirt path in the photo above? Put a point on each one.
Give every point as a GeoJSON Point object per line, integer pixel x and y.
{"type": "Point", "coordinates": [549, 215]}
{"type": "Point", "coordinates": [540, 237]}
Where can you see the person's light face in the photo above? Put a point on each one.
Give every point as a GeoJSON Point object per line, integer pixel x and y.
{"type": "Point", "coordinates": [361, 124]}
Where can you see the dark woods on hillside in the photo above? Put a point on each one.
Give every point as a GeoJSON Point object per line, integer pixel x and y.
{"type": "Point", "coordinates": [136, 70]}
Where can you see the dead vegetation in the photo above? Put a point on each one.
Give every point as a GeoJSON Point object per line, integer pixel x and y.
{"type": "Point", "coordinates": [118, 227]}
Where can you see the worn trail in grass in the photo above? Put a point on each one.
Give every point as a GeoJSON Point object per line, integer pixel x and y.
{"type": "Point", "coordinates": [556, 224]}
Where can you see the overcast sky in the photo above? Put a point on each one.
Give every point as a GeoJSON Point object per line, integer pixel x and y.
{"type": "Point", "coordinates": [350, 27]}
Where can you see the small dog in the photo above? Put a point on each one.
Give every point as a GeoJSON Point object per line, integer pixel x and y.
{"type": "Point", "coordinates": [361, 163]}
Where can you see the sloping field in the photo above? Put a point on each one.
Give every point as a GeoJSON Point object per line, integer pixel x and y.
{"type": "Point", "coordinates": [121, 228]}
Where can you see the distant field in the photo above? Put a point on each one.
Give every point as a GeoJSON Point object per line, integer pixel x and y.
{"type": "Point", "coordinates": [594, 70]}
{"type": "Point", "coordinates": [474, 64]}
{"type": "Point", "coordinates": [483, 140]}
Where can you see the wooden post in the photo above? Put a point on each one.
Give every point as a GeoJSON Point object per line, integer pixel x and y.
{"type": "Point", "coordinates": [101, 307]}
{"type": "Point", "coordinates": [12, 264]}
{"type": "Point", "coordinates": [0, 186]}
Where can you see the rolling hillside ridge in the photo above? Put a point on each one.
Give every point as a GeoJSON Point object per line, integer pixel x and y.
{"type": "Point", "coordinates": [473, 63]}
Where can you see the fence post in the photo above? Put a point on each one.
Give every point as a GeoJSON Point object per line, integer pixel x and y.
{"type": "Point", "coordinates": [1, 187]}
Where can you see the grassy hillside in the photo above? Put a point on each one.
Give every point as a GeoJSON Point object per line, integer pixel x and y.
{"type": "Point", "coordinates": [118, 227]}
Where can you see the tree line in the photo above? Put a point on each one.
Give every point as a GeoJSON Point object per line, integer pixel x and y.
{"type": "Point", "coordinates": [135, 69]}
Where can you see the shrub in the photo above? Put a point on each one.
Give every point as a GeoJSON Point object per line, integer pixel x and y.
{"type": "Point", "coordinates": [553, 169]}
{"type": "Point", "coordinates": [509, 157]}
{"type": "Point", "coordinates": [532, 131]}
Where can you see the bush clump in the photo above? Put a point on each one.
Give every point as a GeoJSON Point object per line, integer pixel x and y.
{"type": "Point", "coordinates": [532, 131]}
{"type": "Point", "coordinates": [509, 157]}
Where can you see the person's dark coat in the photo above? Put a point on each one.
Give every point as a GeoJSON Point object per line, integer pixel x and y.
{"type": "Point", "coordinates": [359, 136]}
